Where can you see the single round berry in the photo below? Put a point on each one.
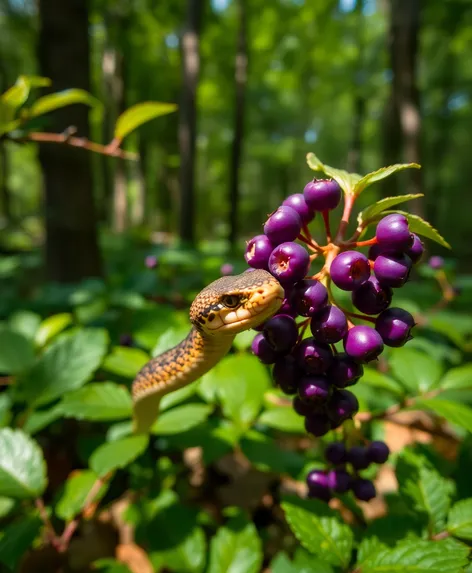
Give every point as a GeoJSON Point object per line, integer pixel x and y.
{"type": "Point", "coordinates": [287, 304]}
{"type": "Point", "coordinates": [392, 270]}
{"type": "Point", "coordinates": [358, 458]}
{"type": "Point", "coordinates": [344, 371]}
{"type": "Point", "coordinates": [226, 269]}
{"type": "Point", "coordinates": [329, 325]}
{"type": "Point", "coordinates": [335, 453]}
{"type": "Point", "coordinates": [374, 252]}
{"type": "Point", "coordinates": [289, 262]}
{"type": "Point", "coordinates": [394, 326]}
{"type": "Point", "coordinates": [322, 194]}
{"type": "Point", "coordinates": [436, 262]}
{"type": "Point", "coordinates": [339, 480]}
{"type": "Point", "coordinates": [393, 233]}
{"type": "Point", "coordinates": [363, 343]}
{"type": "Point", "coordinates": [372, 297]}
{"type": "Point", "coordinates": [317, 424]}
{"type": "Point", "coordinates": [314, 389]}
{"type": "Point", "coordinates": [313, 357]}
{"type": "Point", "coordinates": [341, 406]}
{"type": "Point", "coordinates": [283, 225]}
{"type": "Point", "coordinates": [308, 297]}
{"type": "Point", "coordinates": [298, 203]}
{"type": "Point", "coordinates": [258, 251]}
{"type": "Point", "coordinates": [415, 252]}
{"type": "Point", "coordinates": [349, 270]}
{"type": "Point", "coordinates": [363, 489]}
{"type": "Point", "coordinates": [263, 350]}
{"type": "Point", "coordinates": [306, 408]}
{"type": "Point", "coordinates": [378, 452]}
{"type": "Point", "coordinates": [151, 262]}
{"type": "Point", "coordinates": [287, 374]}
{"type": "Point", "coordinates": [281, 332]}
{"type": "Point", "coordinates": [317, 482]}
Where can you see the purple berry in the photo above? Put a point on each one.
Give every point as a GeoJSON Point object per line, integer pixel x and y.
{"type": "Point", "coordinates": [363, 343]}
{"type": "Point", "coordinates": [317, 424]}
{"type": "Point", "coordinates": [287, 374]}
{"type": "Point", "coordinates": [329, 325]}
{"type": "Point", "coordinates": [378, 452]}
{"type": "Point", "coordinates": [344, 371]}
{"type": "Point", "coordinates": [374, 252]}
{"type": "Point", "coordinates": [226, 269]}
{"type": "Point", "coordinates": [393, 233]}
{"type": "Point", "coordinates": [335, 453]}
{"type": "Point", "coordinates": [392, 270]}
{"type": "Point", "coordinates": [308, 297]}
{"type": "Point", "coordinates": [415, 252]}
{"type": "Point", "coordinates": [289, 262]}
{"type": "Point", "coordinates": [358, 458]}
{"type": "Point", "coordinates": [151, 262]}
{"type": "Point", "coordinates": [287, 306]}
{"type": "Point", "coordinates": [339, 480]}
{"type": "Point", "coordinates": [258, 251]}
{"type": "Point", "coordinates": [263, 350]}
{"type": "Point", "coordinates": [342, 405]}
{"type": "Point", "coordinates": [322, 194]}
{"type": "Point", "coordinates": [317, 482]}
{"type": "Point", "coordinates": [436, 262]}
{"type": "Point", "coordinates": [298, 203]}
{"type": "Point", "coordinates": [349, 270]}
{"type": "Point", "coordinates": [313, 357]}
{"type": "Point", "coordinates": [394, 326]}
{"type": "Point", "coordinates": [314, 389]}
{"type": "Point", "coordinates": [363, 489]}
{"type": "Point", "coordinates": [281, 332]}
{"type": "Point", "coordinates": [282, 226]}
{"type": "Point", "coordinates": [306, 408]}
{"type": "Point", "coordinates": [372, 297]}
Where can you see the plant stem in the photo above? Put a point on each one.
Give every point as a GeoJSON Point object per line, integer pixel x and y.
{"type": "Point", "coordinates": [50, 532]}
{"type": "Point", "coordinates": [349, 201]}
{"type": "Point", "coordinates": [327, 225]}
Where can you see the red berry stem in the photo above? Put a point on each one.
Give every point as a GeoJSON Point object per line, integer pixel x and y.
{"type": "Point", "coordinates": [327, 225]}
{"type": "Point", "coordinates": [355, 244]}
{"type": "Point", "coordinates": [349, 201]}
{"type": "Point", "coordinates": [312, 245]}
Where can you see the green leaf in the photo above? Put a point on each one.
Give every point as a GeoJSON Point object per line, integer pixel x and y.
{"type": "Point", "coordinates": [16, 352]}
{"type": "Point", "coordinates": [64, 98]}
{"type": "Point", "coordinates": [415, 370]}
{"type": "Point", "coordinates": [113, 455]}
{"type": "Point", "coordinates": [236, 548]}
{"type": "Point", "coordinates": [52, 326]}
{"type": "Point", "coordinates": [17, 538]}
{"type": "Point", "coordinates": [380, 206]}
{"type": "Point", "coordinates": [423, 488]}
{"type": "Point", "coordinates": [66, 365]}
{"type": "Point", "coordinates": [124, 361]}
{"type": "Point", "coordinates": [347, 181]}
{"type": "Point", "coordinates": [283, 418]}
{"type": "Point", "coordinates": [168, 339]}
{"type": "Point", "coordinates": [369, 546]}
{"type": "Point", "coordinates": [140, 113]}
{"type": "Point", "coordinates": [22, 468]}
{"type": "Point", "coordinates": [383, 173]}
{"type": "Point", "coordinates": [6, 505]}
{"type": "Point", "coordinates": [267, 456]}
{"type": "Point", "coordinates": [421, 227]}
{"type": "Point", "coordinates": [320, 530]}
{"type": "Point", "coordinates": [377, 379]}
{"type": "Point", "coordinates": [40, 419]}
{"type": "Point", "coordinates": [459, 521]}
{"type": "Point", "coordinates": [282, 564]}
{"type": "Point", "coordinates": [453, 412]}
{"type": "Point", "coordinates": [16, 96]}
{"type": "Point", "coordinates": [240, 381]}
{"type": "Point", "coordinates": [76, 493]}
{"type": "Point", "coordinates": [109, 565]}
{"type": "Point", "coordinates": [25, 322]}
{"type": "Point", "coordinates": [5, 409]}
{"type": "Point", "coordinates": [459, 378]}
{"type": "Point", "coordinates": [180, 395]}
{"type": "Point", "coordinates": [306, 562]}
{"type": "Point", "coordinates": [98, 401]}
{"type": "Point", "coordinates": [419, 556]}
{"type": "Point", "coordinates": [181, 419]}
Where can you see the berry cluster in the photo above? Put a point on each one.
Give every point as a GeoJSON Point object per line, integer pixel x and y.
{"type": "Point", "coordinates": [322, 484]}
{"type": "Point", "coordinates": [312, 368]}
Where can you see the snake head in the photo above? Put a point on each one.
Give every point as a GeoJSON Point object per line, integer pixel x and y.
{"type": "Point", "coordinates": [233, 304]}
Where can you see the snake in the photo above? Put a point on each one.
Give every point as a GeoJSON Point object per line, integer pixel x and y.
{"type": "Point", "coordinates": [223, 309]}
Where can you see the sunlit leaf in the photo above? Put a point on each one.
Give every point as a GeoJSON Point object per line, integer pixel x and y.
{"type": "Point", "coordinates": [347, 181]}
{"type": "Point", "coordinates": [386, 203]}
{"type": "Point", "coordinates": [76, 492]}
{"type": "Point", "coordinates": [140, 113]}
{"type": "Point", "coordinates": [97, 401]}
{"type": "Point", "coordinates": [113, 455]}
{"type": "Point", "coordinates": [283, 418]}
{"type": "Point", "coordinates": [125, 361]}
{"type": "Point", "coordinates": [380, 174]}
{"type": "Point", "coordinates": [454, 412]}
{"type": "Point", "coordinates": [181, 419]}
{"type": "Point", "coordinates": [51, 326]}
{"type": "Point", "coordinates": [16, 352]}
{"type": "Point", "coordinates": [459, 521]}
{"type": "Point", "coordinates": [57, 100]}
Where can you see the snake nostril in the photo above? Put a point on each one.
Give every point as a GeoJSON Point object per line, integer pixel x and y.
{"type": "Point", "coordinates": [260, 291]}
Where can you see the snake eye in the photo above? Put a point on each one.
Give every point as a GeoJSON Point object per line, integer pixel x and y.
{"type": "Point", "coordinates": [231, 300]}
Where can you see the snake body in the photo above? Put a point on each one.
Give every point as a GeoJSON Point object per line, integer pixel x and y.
{"type": "Point", "coordinates": [219, 312]}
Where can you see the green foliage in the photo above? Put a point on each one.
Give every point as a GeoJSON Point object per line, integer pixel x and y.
{"type": "Point", "coordinates": [117, 454]}
{"type": "Point", "coordinates": [138, 114]}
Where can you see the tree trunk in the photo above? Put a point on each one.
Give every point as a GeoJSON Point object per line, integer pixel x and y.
{"type": "Point", "coordinates": [188, 118]}
{"type": "Point", "coordinates": [404, 43]}
{"type": "Point", "coordinates": [240, 78]}
{"type": "Point", "coordinates": [72, 251]}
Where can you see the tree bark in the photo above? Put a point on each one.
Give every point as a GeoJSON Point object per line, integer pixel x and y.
{"type": "Point", "coordinates": [188, 118]}
{"type": "Point", "coordinates": [72, 251]}
{"type": "Point", "coordinates": [240, 79]}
